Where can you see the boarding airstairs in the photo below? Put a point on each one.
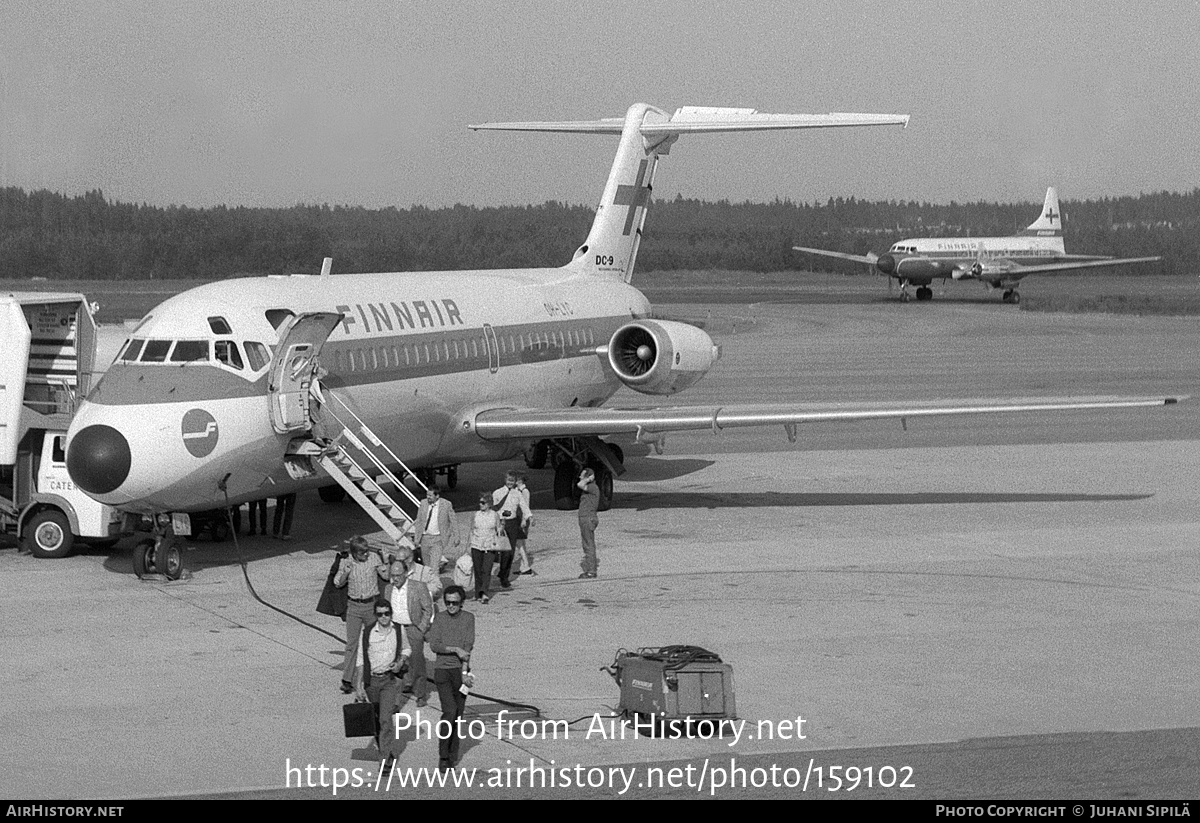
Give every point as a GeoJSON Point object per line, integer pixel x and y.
{"type": "Point", "coordinates": [358, 460]}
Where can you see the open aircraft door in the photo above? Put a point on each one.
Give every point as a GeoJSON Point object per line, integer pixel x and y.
{"type": "Point", "coordinates": [294, 368]}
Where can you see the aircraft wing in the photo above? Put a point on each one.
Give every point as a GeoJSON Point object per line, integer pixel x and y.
{"type": "Point", "coordinates": [525, 424]}
{"type": "Point", "coordinates": [1017, 271]}
{"type": "Point", "coordinates": [868, 259]}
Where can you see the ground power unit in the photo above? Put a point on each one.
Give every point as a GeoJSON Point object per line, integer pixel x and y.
{"type": "Point", "coordinates": [675, 685]}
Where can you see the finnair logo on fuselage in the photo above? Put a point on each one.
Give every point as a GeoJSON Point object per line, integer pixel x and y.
{"type": "Point", "coordinates": [393, 316]}
{"type": "Point", "coordinates": [199, 433]}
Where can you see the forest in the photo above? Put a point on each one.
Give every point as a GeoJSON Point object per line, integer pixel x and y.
{"type": "Point", "coordinates": [51, 235]}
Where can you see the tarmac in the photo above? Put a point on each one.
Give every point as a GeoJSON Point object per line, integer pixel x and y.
{"type": "Point", "coordinates": [1006, 606]}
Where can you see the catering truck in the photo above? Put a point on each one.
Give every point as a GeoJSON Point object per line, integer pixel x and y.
{"type": "Point", "coordinates": [52, 353]}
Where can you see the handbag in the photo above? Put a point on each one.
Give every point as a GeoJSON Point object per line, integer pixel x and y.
{"type": "Point", "coordinates": [333, 598]}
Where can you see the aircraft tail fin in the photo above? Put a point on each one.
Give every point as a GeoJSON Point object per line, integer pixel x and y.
{"type": "Point", "coordinates": [1049, 222]}
{"type": "Point", "coordinates": [646, 134]}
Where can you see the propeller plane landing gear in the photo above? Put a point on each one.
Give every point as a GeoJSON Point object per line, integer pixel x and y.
{"type": "Point", "coordinates": [925, 293]}
{"type": "Point", "coordinates": [1011, 296]}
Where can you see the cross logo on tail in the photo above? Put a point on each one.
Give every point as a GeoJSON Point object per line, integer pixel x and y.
{"type": "Point", "coordinates": [1051, 215]}
{"type": "Point", "coordinates": [635, 196]}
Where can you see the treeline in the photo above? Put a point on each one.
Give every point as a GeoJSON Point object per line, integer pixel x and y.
{"type": "Point", "coordinates": [44, 234]}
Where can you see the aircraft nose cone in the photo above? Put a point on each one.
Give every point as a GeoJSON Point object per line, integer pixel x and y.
{"type": "Point", "coordinates": [98, 459]}
{"type": "Point", "coordinates": [886, 263]}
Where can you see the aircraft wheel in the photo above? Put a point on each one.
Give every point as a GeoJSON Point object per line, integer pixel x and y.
{"type": "Point", "coordinates": [535, 457]}
{"type": "Point", "coordinates": [331, 494]}
{"type": "Point", "coordinates": [219, 531]}
{"type": "Point", "coordinates": [1016, 298]}
{"type": "Point", "coordinates": [168, 560]}
{"type": "Point", "coordinates": [48, 534]}
{"type": "Point", "coordinates": [618, 451]}
{"type": "Point", "coordinates": [924, 293]}
{"type": "Point", "coordinates": [452, 477]}
{"type": "Point", "coordinates": [903, 297]}
{"type": "Point", "coordinates": [604, 480]}
{"type": "Point", "coordinates": [564, 487]}
{"type": "Point", "coordinates": [143, 557]}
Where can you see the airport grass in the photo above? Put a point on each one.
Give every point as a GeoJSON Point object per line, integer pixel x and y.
{"type": "Point", "coordinates": [1139, 304]}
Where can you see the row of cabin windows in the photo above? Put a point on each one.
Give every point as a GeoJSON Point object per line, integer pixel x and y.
{"type": "Point", "coordinates": [445, 351]}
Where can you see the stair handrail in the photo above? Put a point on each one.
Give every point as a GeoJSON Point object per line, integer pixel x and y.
{"type": "Point", "coordinates": [349, 435]}
{"type": "Point", "coordinates": [374, 438]}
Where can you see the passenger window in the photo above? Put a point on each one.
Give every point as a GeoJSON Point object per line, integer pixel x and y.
{"type": "Point", "coordinates": [219, 325]}
{"type": "Point", "coordinates": [190, 351]}
{"type": "Point", "coordinates": [228, 354]}
{"type": "Point", "coordinates": [156, 351]}
{"type": "Point", "coordinates": [257, 354]}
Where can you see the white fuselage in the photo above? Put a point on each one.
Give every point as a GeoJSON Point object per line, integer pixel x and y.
{"type": "Point", "coordinates": [923, 259]}
{"type": "Point", "coordinates": [415, 356]}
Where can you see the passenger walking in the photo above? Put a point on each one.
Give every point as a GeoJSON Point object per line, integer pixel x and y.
{"type": "Point", "coordinates": [589, 504]}
{"type": "Point", "coordinates": [413, 607]}
{"type": "Point", "coordinates": [360, 573]}
{"type": "Point", "coordinates": [521, 557]}
{"type": "Point", "coordinates": [435, 532]}
{"type": "Point", "coordinates": [452, 639]}
{"type": "Point", "coordinates": [509, 502]}
{"type": "Point", "coordinates": [486, 531]}
{"type": "Point", "coordinates": [385, 658]}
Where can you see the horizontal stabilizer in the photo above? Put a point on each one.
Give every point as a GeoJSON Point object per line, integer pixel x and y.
{"type": "Point", "coordinates": [701, 120]}
{"type": "Point", "coordinates": [505, 424]}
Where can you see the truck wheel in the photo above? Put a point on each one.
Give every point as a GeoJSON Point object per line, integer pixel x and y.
{"type": "Point", "coordinates": [48, 534]}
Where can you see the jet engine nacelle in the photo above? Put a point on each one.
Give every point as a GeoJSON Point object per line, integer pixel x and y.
{"type": "Point", "coordinates": [661, 356]}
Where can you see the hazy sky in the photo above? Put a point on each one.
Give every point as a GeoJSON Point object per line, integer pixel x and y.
{"type": "Point", "coordinates": [366, 103]}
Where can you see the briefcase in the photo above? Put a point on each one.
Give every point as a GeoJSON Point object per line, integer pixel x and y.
{"type": "Point", "coordinates": [359, 719]}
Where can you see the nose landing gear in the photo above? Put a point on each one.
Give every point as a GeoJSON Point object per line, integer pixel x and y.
{"type": "Point", "coordinates": [159, 554]}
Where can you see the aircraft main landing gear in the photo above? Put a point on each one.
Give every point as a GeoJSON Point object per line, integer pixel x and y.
{"type": "Point", "coordinates": [1011, 296]}
{"type": "Point", "coordinates": [924, 293]}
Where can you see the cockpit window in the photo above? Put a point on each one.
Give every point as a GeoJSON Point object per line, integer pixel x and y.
{"type": "Point", "coordinates": [189, 351]}
{"type": "Point", "coordinates": [228, 354]}
{"type": "Point", "coordinates": [257, 354]}
{"type": "Point", "coordinates": [156, 351]}
{"type": "Point", "coordinates": [276, 317]}
{"type": "Point", "coordinates": [219, 325]}
{"type": "Point", "coordinates": [132, 349]}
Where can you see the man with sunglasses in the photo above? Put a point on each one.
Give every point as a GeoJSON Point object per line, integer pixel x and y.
{"type": "Point", "coordinates": [451, 637]}
{"type": "Point", "coordinates": [385, 656]}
